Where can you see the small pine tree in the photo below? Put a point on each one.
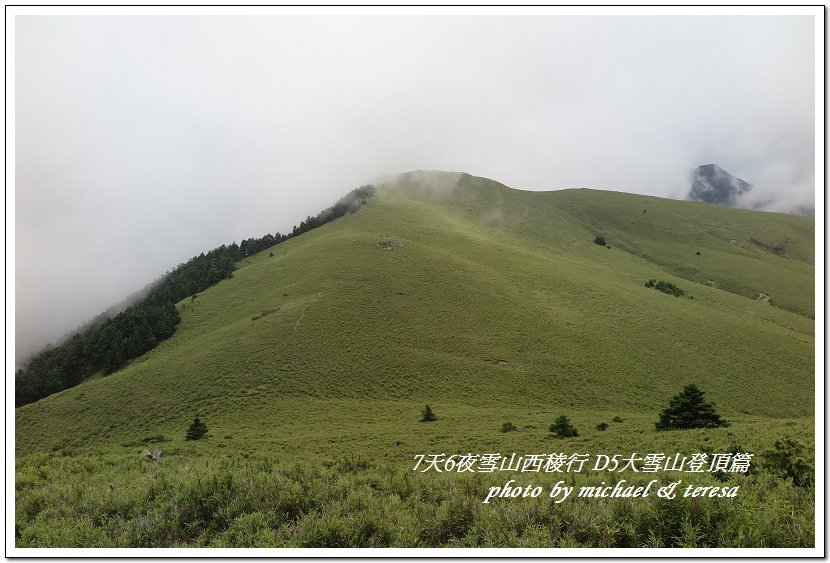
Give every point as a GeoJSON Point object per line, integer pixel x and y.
{"type": "Point", "coordinates": [508, 427]}
{"type": "Point", "coordinates": [602, 426]}
{"type": "Point", "coordinates": [197, 430]}
{"type": "Point", "coordinates": [427, 415]}
{"type": "Point", "coordinates": [562, 428]}
{"type": "Point", "coordinates": [688, 409]}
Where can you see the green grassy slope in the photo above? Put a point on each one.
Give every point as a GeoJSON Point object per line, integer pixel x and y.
{"type": "Point", "coordinates": [492, 304]}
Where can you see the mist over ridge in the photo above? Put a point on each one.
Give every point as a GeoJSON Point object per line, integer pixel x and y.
{"type": "Point", "coordinates": [141, 142]}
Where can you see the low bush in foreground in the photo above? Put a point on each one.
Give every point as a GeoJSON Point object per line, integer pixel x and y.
{"type": "Point", "coordinates": [122, 501]}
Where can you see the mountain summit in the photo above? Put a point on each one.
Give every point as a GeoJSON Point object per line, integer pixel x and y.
{"type": "Point", "coordinates": [712, 184]}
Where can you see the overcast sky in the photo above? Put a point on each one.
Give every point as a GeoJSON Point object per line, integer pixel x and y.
{"type": "Point", "coordinates": [143, 140]}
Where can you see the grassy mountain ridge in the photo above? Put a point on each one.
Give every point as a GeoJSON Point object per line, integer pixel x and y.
{"type": "Point", "coordinates": [107, 344]}
{"type": "Point", "coordinates": [311, 367]}
{"type": "Point", "coordinates": [459, 291]}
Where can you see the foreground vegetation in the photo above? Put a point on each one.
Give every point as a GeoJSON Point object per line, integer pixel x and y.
{"type": "Point", "coordinates": [215, 497]}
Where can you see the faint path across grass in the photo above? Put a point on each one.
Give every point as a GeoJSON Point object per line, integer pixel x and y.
{"type": "Point", "coordinates": [302, 313]}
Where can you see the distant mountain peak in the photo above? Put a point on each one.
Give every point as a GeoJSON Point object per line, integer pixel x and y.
{"type": "Point", "coordinates": [713, 184]}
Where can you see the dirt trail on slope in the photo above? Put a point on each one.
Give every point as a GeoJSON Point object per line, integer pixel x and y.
{"type": "Point", "coordinates": [302, 313]}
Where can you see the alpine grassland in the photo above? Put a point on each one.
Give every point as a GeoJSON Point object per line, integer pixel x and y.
{"type": "Point", "coordinates": [311, 367]}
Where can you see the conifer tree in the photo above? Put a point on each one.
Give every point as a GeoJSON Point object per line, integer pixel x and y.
{"type": "Point", "coordinates": [427, 415]}
{"type": "Point", "coordinates": [562, 428]}
{"type": "Point", "coordinates": [197, 430]}
{"type": "Point", "coordinates": [688, 409]}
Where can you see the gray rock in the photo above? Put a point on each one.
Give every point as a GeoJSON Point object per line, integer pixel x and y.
{"type": "Point", "coordinates": [155, 455]}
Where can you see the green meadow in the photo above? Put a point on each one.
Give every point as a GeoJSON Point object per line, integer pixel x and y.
{"type": "Point", "coordinates": [312, 364]}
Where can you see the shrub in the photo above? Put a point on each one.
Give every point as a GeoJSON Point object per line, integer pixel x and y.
{"type": "Point", "coordinates": [602, 426]}
{"type": "Point", "coordinates": [197, 430]}
{"type": "Point", "coordinates": [616, 419]}
{"type": "Point", "coordinates": [688, 410]}
{"type": "Point", "coordinates": [600, 240]}
{"type": "Point", "coordinates": [427, 415]}
{"type": "Point", "coordinates": [670, 288]}
{"type": "Point", "coordinates": [562, 428]}
{"type": "Point", "coordinates": [665, 287]}
{"type": "Point", "coordinates": [508, 427]}
{"type": "Point", "coordinates": [787, 460]}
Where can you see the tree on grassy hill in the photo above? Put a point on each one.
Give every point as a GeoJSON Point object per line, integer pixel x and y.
{"type": "Point", "coordinates": [197, 430]}
{"type": "Point", "coordinates": [562, 428]}
{"type": "Point", "coordinates": [427, 415]}
{"type": "Point", "coordinates": [687, 410]}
